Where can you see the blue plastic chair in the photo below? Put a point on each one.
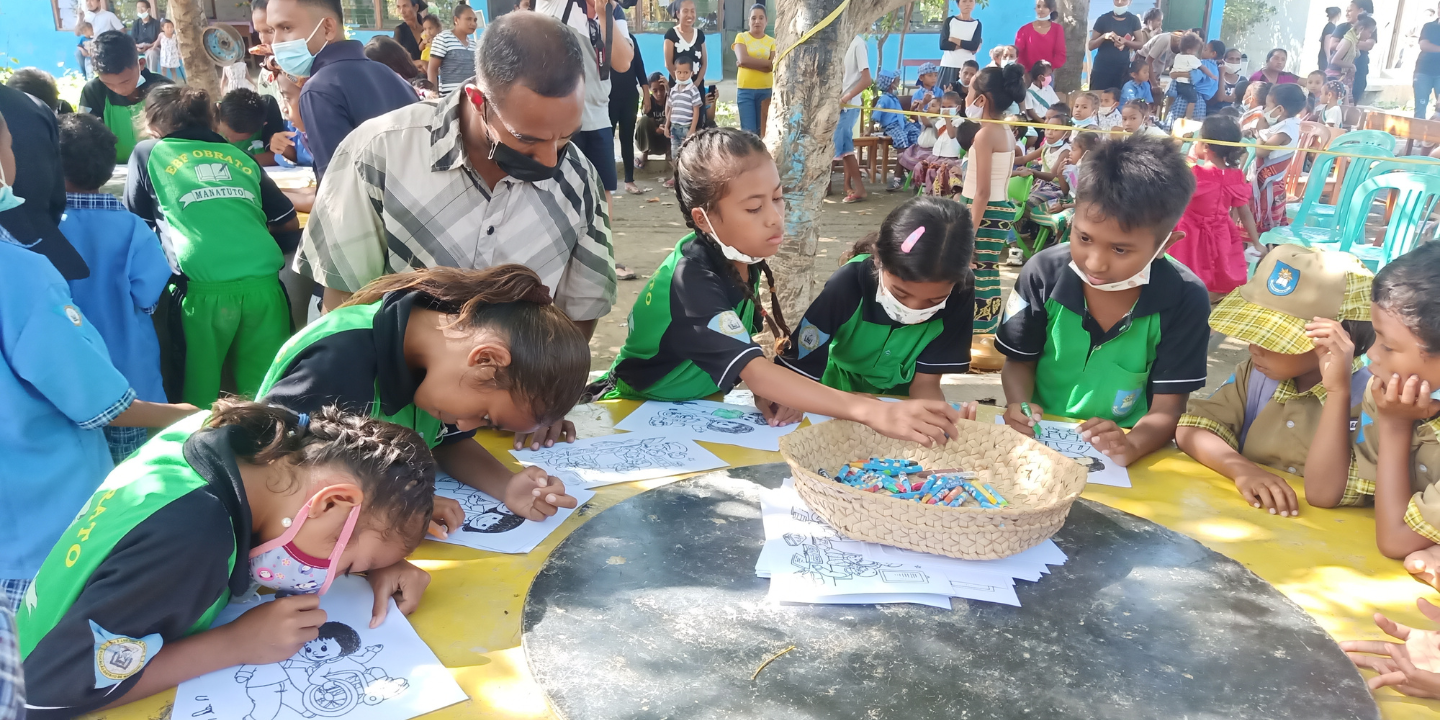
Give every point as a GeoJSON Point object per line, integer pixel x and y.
{"type": "Point", "coordinates": [1300, 231]}
{"type": "Point", "coordinates": [1375, 144]}
{"type": "Point", "coordinates": [1416, 196]}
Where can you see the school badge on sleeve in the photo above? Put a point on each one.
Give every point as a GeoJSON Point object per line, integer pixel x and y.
{"type": "Point", "coordinates": [73, 314]}
{"type": "Point", "coordinates": [1014, 306]}
{"type": "Point", "coordinates": [118, 657]}
{"type": "Point", "coordinates": [1283, 280]}
{"type": "Point", "coordinates": [728, 324]}
{"type": "Point", "coordinates": [809, 338]}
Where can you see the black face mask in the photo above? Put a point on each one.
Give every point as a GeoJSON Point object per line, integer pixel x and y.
{"type": "Point", "coordinates": [521, 166]}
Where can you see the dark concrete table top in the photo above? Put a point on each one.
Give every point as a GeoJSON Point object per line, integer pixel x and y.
{"type": "Point", "coordinates": [653, 610]}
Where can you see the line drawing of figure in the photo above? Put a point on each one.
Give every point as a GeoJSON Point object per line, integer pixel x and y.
{"type": "Point", "coordinates": [819, 561]}
{"type": "Point", "coordinates": [329, 677]}
{"type": "Point", "coordinates": [699, 420]}
{"type": "Point", "coordinates": [822, 528]}
{"type": "Point", "coordinates": [483, 514]}
{"type": "Point", "coordinates": [617, 455]}
{"type": "Point", "coordinates": [1067, 442]}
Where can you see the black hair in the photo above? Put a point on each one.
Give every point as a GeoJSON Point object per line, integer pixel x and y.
{"type": "Point", "coordinates": [1313, 73]}
{"type": "Point", "coordinates": [87, 151]}
{"type": "Point", "coordinates": [390, 53]}
{"type": "Point", "coordinates": [1061, 114]}
{"type": "Point", "coordinates": [147, 2]}
{"type": "Point", "coordinates": [1366, 21]}
{"type": "Point", "coordinates": [704, 166]}
{"type": "Point", "coordinates": [507, 521]}
{"type": "Point", "coordinates": [549, 358]}
{"type": "Point", "coordinates": [1137, 105]}
{"type": "Point", "coordinates": [1362, 334]}
{"type": "Point", "coordinates": [970, 64]}
{"type": "Point", "coordinates": [533, 50]}
{"type": "Point", "coordinates": [965, 134]}
{"type": "Point", "coordinates": [1062, 107]}
{"type": "Point", "coordinates": [1139, 181]}
{"type": "Point", "coordinates": [953, 96]}
{"type": "Point", "coordinates": [331, 7]}
{"type": "Point", "coordinates": [431, 19]}
{"type": "Point", "coordinates": [1229, 111]}
{"type": "Point", "coordinates": [391, 464]}
{"type": "Point", "coordinates": [685, 60]}
{"type": "Point", "coordinates": [1289, 96]}
{"type": "Point", "coordinates": [1270, 55]}
{"type": "Point", "coordinates": [1218, 47]}
{"type": "Point", "coordinates": [460, 8]}
{"type": "Point", "coordinates": [1003, 86]}
{"type": "Point", "coordinates": [37, 83]}
{"type": "Point", "coordinates": [1335, 86]}
{"type": "Point", "coordinates": [1409, 287]}
{"type": "Point", "coordinates": [343, 635]}
{"type": "Point", "coordinates": [1190, 42]}
{"type": "Point", "coordinates": [1219, 127]}
{"type": "Point", "coordinates": [1086, 141]}
{"type": "Point", "coordinates": [1114, 93]}
{"type": "Point", "coordinates": [1053, 14]}
{"type": "Point", "coordinates": [420, 82]}
{"type": "Point", "coordinates": [1151, 14]}
{"type": "Point", "coordinates": [1332, 11]}
{"type": "Point", "coordinates": [656, 76]}
{"type": "Point", "coordinates": [115, 52]}
{"type": "Point", "coordinates": [760, 7]}
{"type": "Point", "coordinates": [169, 108]}
{"type": "Point", "coordinates": [1262, 91]}
{"type": "Point", "coordinates": [243, 111]}
{"type": "Point", "coordinates": [1138, 64]}
{"type": "Point", "coordinates": [943, 251]}
{"type": "Point", "coordinates": [1040, 67]}
{"type": "Point", "coordinates": [1365, 5]}
{"type": "Point", "coordinates": [259, 5]}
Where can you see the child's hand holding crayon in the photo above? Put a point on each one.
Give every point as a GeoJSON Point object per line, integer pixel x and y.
{"type": "Point", "coordinates": [776, 414]}
{"type": "Point", "coordinates": [447, 516]}
{"type": "Point", "coordinates": [535, 494]}
{"type": "Point", "coordinates": [273, 631]}
{"type": "Point", "coordinates": [928, 422]}
{"type": "Point", "coordinates": [1022, 416]}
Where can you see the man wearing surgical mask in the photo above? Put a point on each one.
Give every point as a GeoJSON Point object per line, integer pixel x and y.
{"type": "Point", "coordinates": [482, 177]}
{"type": "Point", "coordinates": [1105, 327]}
{"type": "Point", "coordinates": [345, 88]}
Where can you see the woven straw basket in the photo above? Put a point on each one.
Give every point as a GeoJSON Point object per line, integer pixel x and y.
{"type": "Point", "coordinates": [1039, 483]}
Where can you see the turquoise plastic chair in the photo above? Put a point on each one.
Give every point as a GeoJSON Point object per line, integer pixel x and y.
{"type": "Point", "coordinates": [1416, 196]}
{"type": "Point", "coordinates": [1375, 144]}
{"type": "Point", "coordinates": [1299, 231]}
{"type": "Point", "coordinates": [1249, 154]}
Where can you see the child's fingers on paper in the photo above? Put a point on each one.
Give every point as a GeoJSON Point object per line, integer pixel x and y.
{"type": "Point", "coordinates": [561, 500]}
{"type": "Point", "coordinates": [1392, 628]}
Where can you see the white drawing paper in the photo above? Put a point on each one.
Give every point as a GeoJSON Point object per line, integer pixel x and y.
{"type": "Point", "coordinates": [708, 421]}
{"type": "Point", "coordinates": [1003, 593]}
{"type": "Point", "coordinates": [623, 458]}
{"type": "Point", "coordinates": [782, 511]}
{"type": "Point", "coordinates": [350, 671]}
{"type": "Point", "coordinates": [1062, 437]}
{"type": "Point", "coordinates": [489, 525]}
{"type": "Point", "coordinates": [802, 567]}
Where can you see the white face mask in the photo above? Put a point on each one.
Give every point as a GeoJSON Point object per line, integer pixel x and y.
{"type": "Point", "coordinates": [897, 310]}
{"type": "Point", "coordinates": [1275, 115]}
{"type": "Point", "coordinates": [730, 253]}
{"type": "Point", "coordinates": [143, 15]}
{"type": "Point", "coordinates": [1232, 67]}
{"type": "Point", "coordinates": [1042, 15]}
{"type": "Point", "coordinates": [1136, 280]}
{"type": "Point", "coordinates": [949, 111]}
{"type": "Point", "coordinates": [974, 112]}
{"type": "Point", "coordinates": [1122, 10]}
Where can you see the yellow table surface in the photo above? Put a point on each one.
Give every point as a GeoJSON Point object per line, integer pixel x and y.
{"type": "Point", "coordinates": [1324, 560]}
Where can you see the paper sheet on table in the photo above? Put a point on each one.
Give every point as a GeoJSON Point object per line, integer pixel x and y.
{"type": "Point", "coordinates": [708, 421]}
{"type": "Point", "coordinates": [782, 511]}
{"type": "Point", "coordinates": [389, 675]}
{"type": "Point", "coordinates": [489, 525]}
{"type": "Point", "coordinates": [622, 458]}
{"type": "Point", "coordinates": [1026, 565]}
{"type": "Point", "coordinates": [1064, 439]}
{"type": "Point", "coordinates": [808, 566]}
{"type": "Point", "coordinates": [939, 601]}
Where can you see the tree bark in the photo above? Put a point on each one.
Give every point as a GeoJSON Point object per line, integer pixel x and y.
{"type": "Point", "coordinates": [190, 22]}
{"type": "Point", "coordinates": [1074, 18]}
{"type": "Point", "coordinates": [803, 116]}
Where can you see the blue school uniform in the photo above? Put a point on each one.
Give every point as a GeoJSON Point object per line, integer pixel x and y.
{"type": "Point", "coordinates": [303, 158]}
{"type": "Point", "coordinates": [902, 133]}
{"type": "Point", "coordinates": [1136, 91]}
{"type": "Point", "coordinates": [59, 389]}
{"type": "Point", "coordinates": [128, 271]}
{"type": "Point", "coordinates": [1205, 85]}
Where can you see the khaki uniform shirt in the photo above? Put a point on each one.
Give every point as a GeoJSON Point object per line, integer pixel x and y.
{"type": "Point", "coordinates": [1423, 515]}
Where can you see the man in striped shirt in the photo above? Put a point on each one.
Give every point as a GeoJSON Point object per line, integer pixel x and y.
{"type": "Point", "coordinates": [452, 53]}
{"type": "Point", "coordinates": [483, 177]}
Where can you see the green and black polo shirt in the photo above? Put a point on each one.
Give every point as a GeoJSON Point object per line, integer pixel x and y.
{"type": "Point", "coordinates": [124, 117]}
{"type": "Point", "coordinates": [1084, 372]}
{"type": "Point", "coordinates": [689, 332]}
{"type": "Point", "coordinates": [156, 553]}
{"type": "Point", "coordinates": [848, 342]}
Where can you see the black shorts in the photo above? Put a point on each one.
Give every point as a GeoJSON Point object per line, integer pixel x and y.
{"type": "Point", "coordinates": [599, 147]}
{"type": "Point", "coordinates": [1185, 91]}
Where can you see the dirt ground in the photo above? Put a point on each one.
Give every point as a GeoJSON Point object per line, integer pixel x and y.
{"type": "Point", "coordinates": [646, 228]}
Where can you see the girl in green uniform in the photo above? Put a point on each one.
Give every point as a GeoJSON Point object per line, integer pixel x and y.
{"type": "Point", "coordinates": [248, 495]}
{"type": "Point", "coordinates": [445, 351]}
{"type": "Point", "coordinates": [221, 220]}
{"type": "Point", "coordinates": [690, 329]}
{"type": "Point", "coordinates": [897, 316]}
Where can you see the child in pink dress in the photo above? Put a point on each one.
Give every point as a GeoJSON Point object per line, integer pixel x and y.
{"type": "Point", "coordinates": [1214, 247]}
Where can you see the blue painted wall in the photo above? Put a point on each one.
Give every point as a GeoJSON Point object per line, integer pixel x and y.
{"type": "Point", "coordinates": [28, 37]}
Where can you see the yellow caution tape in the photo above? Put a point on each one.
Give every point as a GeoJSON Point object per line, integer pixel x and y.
{"type": "Point", "coordinates": [811, 32]}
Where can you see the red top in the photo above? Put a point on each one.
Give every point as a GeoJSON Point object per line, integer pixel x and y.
{"type": "Point", "coordinates": [1031, 46]}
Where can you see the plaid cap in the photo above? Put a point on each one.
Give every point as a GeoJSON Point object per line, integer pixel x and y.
{"type": "Point", "coordinates": [928, 67]}
{"type": "Point", "coordinates": [1291, 286]}
{"type": "Point", "coordinates": [886, 78]}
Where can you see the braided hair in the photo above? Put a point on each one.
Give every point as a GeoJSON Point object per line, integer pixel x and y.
{"type": "Point", "coordinates": [704, 166]}
{"type": "Point", "coordinates": [390, 463]}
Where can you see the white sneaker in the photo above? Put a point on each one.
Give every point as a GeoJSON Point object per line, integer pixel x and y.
{"type": "Point", "coordinates": [1016, 258]}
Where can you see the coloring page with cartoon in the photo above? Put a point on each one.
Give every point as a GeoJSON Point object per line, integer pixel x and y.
{"type": "Point", "coordinates": [624, 457]}
{"type": "Point", "coordinates": [708, 421]}
{"type": "Point", "coordinates": [489, 525]}
{"type": "Point", "coordinates": [349, 671]}
{"type": "Point", "coordinates": [1064, 438]}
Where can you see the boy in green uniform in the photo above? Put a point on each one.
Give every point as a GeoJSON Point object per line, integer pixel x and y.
{"type": "Point", "coordinates": [117, 93]}
{"type": "Point", "coordinates": [222, 221]}
{"type": "Point", "coordinates": [248, 120]}
{"type": "Point", "coordinates": [1104, 328]}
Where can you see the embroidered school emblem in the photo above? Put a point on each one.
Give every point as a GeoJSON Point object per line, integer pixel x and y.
{"type": "Point", "coordinates": [212, 172]}
{"type": "Point", "coordinates": [1283, 280]}
{"type": "Point", "coordinates": [809, 338]}
{"type": "Point", "coordinates": [1365, 420]}
{"type": "Point", "coordinates": [74, 315]}
{"type": "Point", "coordinates": [1124, 402]}
{"type": "Point", "coordinates": [117, 657]}
{"type": "Point", "coordinates": [728, 324]}
{"type": "Point", "coordinates": [1014, 306]}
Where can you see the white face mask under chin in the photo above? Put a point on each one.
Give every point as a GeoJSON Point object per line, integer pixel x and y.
{"type": "Point", "coordinates": [897, 310]}
{"type": "Point", "coordinates": [730, 253]}
{"type": "Point", "coordinates": [1134, 281]}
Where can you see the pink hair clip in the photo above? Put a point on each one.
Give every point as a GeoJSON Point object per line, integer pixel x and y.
{"type": "Point", "coordinates": [910, 241]}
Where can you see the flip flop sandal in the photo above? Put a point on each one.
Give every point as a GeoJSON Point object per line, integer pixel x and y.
{"type": "Point", "coordinates": [853, 199]}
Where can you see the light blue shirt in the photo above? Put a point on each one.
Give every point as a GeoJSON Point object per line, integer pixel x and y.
{"type": "Point", "coordinates": [57, 390]}
{"type": "Point", "coordinates": [128, 271]}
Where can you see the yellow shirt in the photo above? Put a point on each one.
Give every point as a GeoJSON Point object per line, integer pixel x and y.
{"type": "Point", "coordinates": [760, 49]}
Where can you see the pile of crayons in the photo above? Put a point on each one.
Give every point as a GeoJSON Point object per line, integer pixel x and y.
{"type": "Point", "coordinates": [907, 480]}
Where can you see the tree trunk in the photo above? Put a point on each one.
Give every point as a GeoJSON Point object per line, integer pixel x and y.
{"type": "Point", "coordinates": [1074, 18]}
{"type": "Point", "coordinates": [803, 116]}
{"type": "Point", "coordinates": [190, 22]}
